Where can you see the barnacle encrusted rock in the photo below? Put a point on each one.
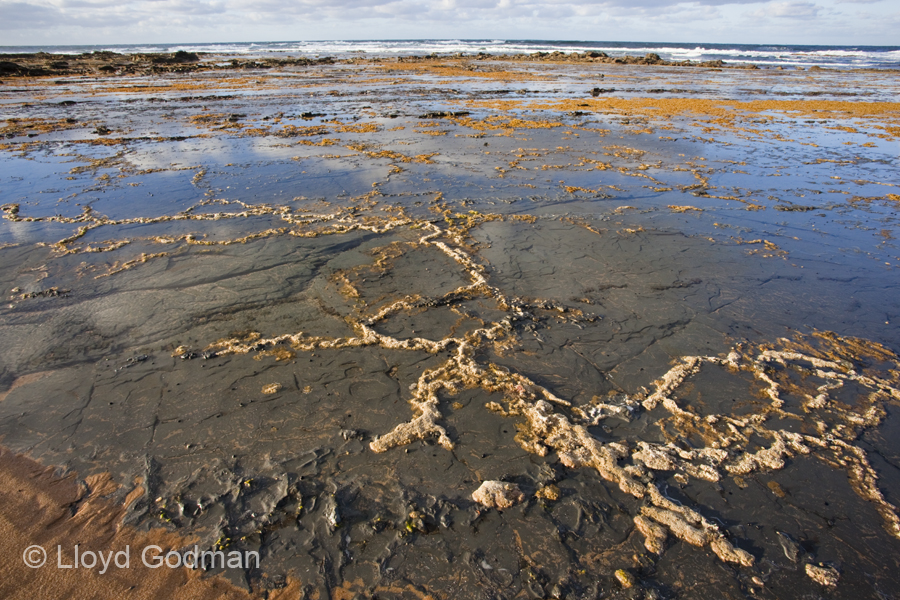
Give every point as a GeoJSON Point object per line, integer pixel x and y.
{"type": "Point", "coordinates": [654, 535]}
{"type": "Point", "coordinates": [548, 492]}
{"type": "Point", "coordinates": [827, 576]}
{"type": "Point", "coordinates": [498, 494]}
{"type": "Point", "coordinates": [271, 388]}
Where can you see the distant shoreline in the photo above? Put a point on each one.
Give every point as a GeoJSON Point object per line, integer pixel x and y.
{"type": "Point", "coordinates": [111, 63]}
{"type": "Point", "coordinates": [762, 55]}
{"type": "Point", "coordinates": [108, 63]}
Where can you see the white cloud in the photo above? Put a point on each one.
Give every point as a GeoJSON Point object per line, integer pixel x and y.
{"type": "Point", "coordinates": [794, 10]}
{"type": "Point", "coordinates": [167, 21]}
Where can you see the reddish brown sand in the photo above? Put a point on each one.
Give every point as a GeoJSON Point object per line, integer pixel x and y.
{"type": "Point", "coordinates": [37, 507]}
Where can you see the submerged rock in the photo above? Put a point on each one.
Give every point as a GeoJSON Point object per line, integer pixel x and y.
{"type": "Point", "coordinates": [351, 434]}
{"type": "Point", "coordinates": [332, 512]}
{"type": "Point", "coordinates": [790, 547]}
{"type": "Point", "coordinates": [498, 494]}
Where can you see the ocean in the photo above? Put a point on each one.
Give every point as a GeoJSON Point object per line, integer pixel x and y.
{"type": "Point", "coordinates": [842, 57]}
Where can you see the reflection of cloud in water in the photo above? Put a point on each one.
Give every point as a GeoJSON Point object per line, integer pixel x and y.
{"type": "Point", "coordinates": [187, 153]}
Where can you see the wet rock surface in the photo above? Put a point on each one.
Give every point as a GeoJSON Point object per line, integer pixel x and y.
{"type": "Point", "coordinates": [313, 310]}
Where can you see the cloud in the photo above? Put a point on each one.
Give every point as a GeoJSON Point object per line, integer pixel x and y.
{"type": "Point", "coordinates": [792, 9]}
{"type": "Point", "coordinates": [152, 21]}
{"type": "Point", "coordinates": [17, 15]}
{"type": "Point", "coordinates": [98, 14]}
{"type": "Point", "coordinates": [82, 13]}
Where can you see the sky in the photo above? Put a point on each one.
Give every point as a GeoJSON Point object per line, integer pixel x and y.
{"type": "Point", "coordinates": [825, 22]}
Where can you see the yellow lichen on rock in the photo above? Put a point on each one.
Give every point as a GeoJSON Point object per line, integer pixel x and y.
{"type": "Point", "coordinates": [625, 579]}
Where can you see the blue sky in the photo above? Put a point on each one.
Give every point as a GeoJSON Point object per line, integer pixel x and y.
{"type": "Point", "coordinates": [847, 22]}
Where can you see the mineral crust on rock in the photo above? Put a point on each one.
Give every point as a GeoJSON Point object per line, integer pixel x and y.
{"type": "Point", "coordinates": [827, 576]}
{"type": "Point", "coordinates": [497, 494]}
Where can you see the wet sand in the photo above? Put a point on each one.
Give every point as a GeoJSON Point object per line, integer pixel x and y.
{"type": "Point", "coordinates": [39, 507]}
{"type": "Point", "coordinates": [307, 310]}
